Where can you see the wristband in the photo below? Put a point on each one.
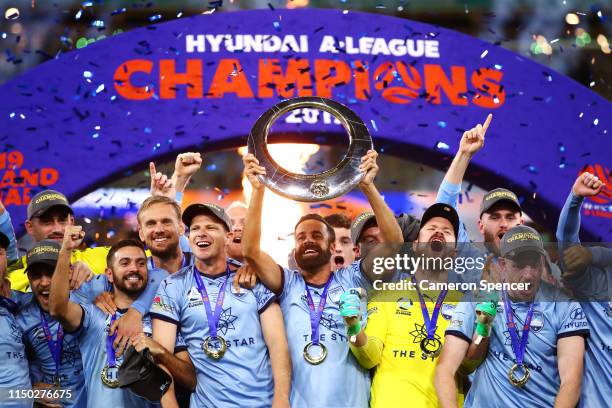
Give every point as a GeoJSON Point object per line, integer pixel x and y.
{"type": "Point", "coordinates": [354, 329]}
{"type": "Point", "coordinates": [482, 329]}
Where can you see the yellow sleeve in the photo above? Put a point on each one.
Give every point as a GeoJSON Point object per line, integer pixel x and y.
{"type": "Point", "coordinates": [17, 276]}
{"type": "Point", "coordinates": [370, 354]}
{"type": "Point", "coordinates": [95, 258]}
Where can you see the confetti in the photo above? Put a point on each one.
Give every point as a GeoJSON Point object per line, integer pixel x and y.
{"type": "Point", "coordinates": [155, 17]}
{"type": "Point", "coordinates": [484, 54]}
{"type": "Point", "coordinates": [442, 146]}
{"type": "Point", "coordinates": [442, 124]}
{"type": "Point", "coordinates": [78, 14]}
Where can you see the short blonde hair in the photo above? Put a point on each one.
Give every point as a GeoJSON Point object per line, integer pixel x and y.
{"type": "Point", "coordinates": [151, 201]}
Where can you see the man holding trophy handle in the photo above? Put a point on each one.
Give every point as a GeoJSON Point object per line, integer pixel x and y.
{"type": "Point", "coordinates": [309, 296]}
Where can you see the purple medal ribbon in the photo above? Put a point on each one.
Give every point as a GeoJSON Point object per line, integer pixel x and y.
{"type": "Point", "coordinates": [316, 314]}
{"type": "Point", "coordinates": [55, 346]}
{"type": "Point", "coordinates": [517, 348]}
{"type": "Point", "coordinates": [212, 317]}
{"type": "Point", "coordinates": [430, 324]}
{"type": "Point", "coordinates": [110, 350]}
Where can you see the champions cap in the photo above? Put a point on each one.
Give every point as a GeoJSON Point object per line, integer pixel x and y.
{"type": "Point", "coordinates": [44, 201]}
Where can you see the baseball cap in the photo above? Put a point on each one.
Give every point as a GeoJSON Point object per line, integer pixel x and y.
{"type": "Point", "coordinates": [496, 196]}
{"type": "Point", "coordinates": [4, 241]}
{"type": "Point", "coordinates": [359, 223]}
{"type": "Point", "coordinates": [139, 373]}
{"type": "Point", "coordinates": [206, 209]}
{"type": "Point", "coordinates": [521, 239]}
{"type": "Point", "coordinates": [44, 200]}
{"type": "Point", "coordinates": [442, 210]}
{"type": "Point", "coordinates": [44, 252]}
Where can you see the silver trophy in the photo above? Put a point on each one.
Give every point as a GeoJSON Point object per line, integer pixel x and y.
{"type": "Point", "coordinates": [323, 186]}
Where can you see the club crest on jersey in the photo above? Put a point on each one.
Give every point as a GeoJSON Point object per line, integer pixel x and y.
{"type": "Point", "coordinates": [158, 305]}
{"type": "Point", "coordinates": [335, 293]}
{"type": "Point", "coordinates": [537, 321]}
{"type": "Point", "coordinates": [447, 311]}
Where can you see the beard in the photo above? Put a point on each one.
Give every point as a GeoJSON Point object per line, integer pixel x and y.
{"type": "Point", "coordinates": [164, 253]}
{"type": "Point", "coordinates": [312, 262]}
{"type": "Point", "coordinates": [127, 287]}
{"type": "Point", "coordinates": [489, 243]}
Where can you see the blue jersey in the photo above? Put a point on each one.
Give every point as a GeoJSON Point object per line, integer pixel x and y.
{"type": "Point", "coordinates": [92, 342]}
{"type": "Point", "coordinates": [243, 376]}
{"type": "Point", "coordinates": [593, 286]}
{"type": "Point", "coordinates": [339, 381]}
{"type": "Point", "coordinates": [14, 373]}
{"type": "Point", "coordinates": [554, 317]}
{"type": "Point", "coordinates": [41, 360]}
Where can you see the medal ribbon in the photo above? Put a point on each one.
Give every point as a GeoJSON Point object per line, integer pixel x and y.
{"type": "Point", "coordinates": [212, 317]}
{"type": "Point", "coordinates": [110, 350]}
{"type": "Point", "coordinates": [316, 314]}
{"type": "Point", "coordinates": [430, 323]}
{"type": "Point", "coordinates": [517, 347]}
{"type": "Point", "coordinates": [55, 346]}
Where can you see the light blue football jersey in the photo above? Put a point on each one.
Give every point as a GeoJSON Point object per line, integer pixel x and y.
{"type": "Point", "coordinates": [92, 341]}
{"type": "Point", "coordinates": [554, 317]}
{"type": "Point", "coordinates": [339, 381]}
{"type": "Point", "coordinates": [14, 373]}
{"type": "Point", "coordinates": [243, 376]}
{"type": "Point", "coordinates": [71, 368]}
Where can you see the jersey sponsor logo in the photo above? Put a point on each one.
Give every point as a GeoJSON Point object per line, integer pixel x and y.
{"type": "Point", "coordinates": [328, 321]}
{"type": "Point", "coordinates": [577, 314]}
{"type": "Point", "coordinates": [404, 303]}
{"type": "Point", "coordinates": [160, 306]}
{"type": "Point", "coordinates": [335, 293]}
{"type": "Point", "coordinates": [15, 333]}
{"type": "Point", "coordinates": [226, 321]}
{"type": "Point", "coordinates": [537, 321]}
{"type": "Point", "coordinates": [419, 333]}
{"type": "Point", "coordinates": [455, 324]}
{"type": "Point", "coordinates": [447, 311]}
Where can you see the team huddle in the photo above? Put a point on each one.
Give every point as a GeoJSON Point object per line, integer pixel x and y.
{"type": "Point", "coordinates": [195, 314]}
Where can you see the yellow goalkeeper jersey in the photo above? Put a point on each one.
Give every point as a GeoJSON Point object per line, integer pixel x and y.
{"type": "Point", "coordinates": [95, 258]}
{"type": "Point", "coordinates": [402, 375]}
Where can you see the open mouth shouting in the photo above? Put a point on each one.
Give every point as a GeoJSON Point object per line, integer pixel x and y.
{"type": "Point", "coordinates": [237, 240]}
{"type": "Point", "coordinates": [203, 244]}
{"type": "Point", "coordinates": [437, 243]}
{"type": "Point", "coordinates": [339, 261]}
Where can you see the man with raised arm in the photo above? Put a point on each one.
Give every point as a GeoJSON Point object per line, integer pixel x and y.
{"type": "Point", "coordinates": [534, 347]}
{"type": "Point", "coordinates": [325, 374]}
{"type": "Point", "coordinates": [55, 358]}
{"type": "Point", "coordinates": [236, 340]}
{"type": "Point", "coordinates": [500, 209]}
{"type": "Point", "coordinates": [587, 272]}
{"type": "Point", "coordinates": [127, 271]}
{"type": "Point", "coordinates": [405, 327]}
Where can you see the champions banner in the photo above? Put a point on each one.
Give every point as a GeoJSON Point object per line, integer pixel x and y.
{"type": "Point", "coordinates": [94, 114]}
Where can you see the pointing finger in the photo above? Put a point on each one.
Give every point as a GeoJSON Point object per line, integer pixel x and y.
{"type": "Point", "coordinates": [487, 122]}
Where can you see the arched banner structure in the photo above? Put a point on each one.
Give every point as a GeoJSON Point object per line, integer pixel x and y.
{"type": "Point", "coordinates": [91, 115]}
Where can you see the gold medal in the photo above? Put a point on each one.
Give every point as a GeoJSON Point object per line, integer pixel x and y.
{"type": "Point", "coordinates": [431, 347]}
{"type": "Point", "coordinates": [518, 382]}
{"type": "Point", "coordinates": [315, 360]}
{"type": "Point", "coordinates": [212, 352]}
{"type": "Point", "coordinates": [110, 376]}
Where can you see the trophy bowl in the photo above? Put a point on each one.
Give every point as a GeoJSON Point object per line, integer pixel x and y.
{"type": "Point", "coordinates": [326, 185]}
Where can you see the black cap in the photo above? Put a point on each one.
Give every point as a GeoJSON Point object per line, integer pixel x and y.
{"type": "Point", "coordinates": [521, 239]}
{"type": "Point", "coordinates": [444, 211]}
{"type": "Point", "coordinates": [44, 200]}
{"type": "Point", "coordinates": [206, 209]}
{"type": "Point", "coordinates": [4, 241]}
{"type": "Point", "coordinates": [45, 252]}
{"type": "Point", "coordinates": [359, 224]}
{"type": "Point", "coordinates": [499, 195]}
{"type": "Point", "coordinates": [139, 373]}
